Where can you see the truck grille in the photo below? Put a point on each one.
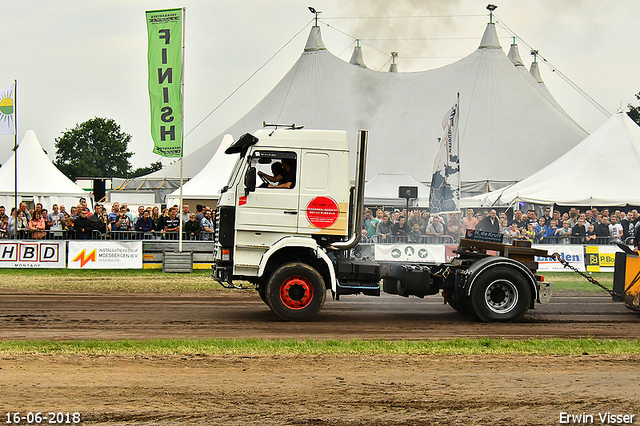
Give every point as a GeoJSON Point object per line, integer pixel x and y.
{"type": "Point", "coordinates": [216, 227]}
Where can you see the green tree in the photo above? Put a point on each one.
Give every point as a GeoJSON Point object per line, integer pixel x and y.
{"type": "Point", "coordinates": [95, 148]}
{"type": "Point", "coordinates": [634, 111]}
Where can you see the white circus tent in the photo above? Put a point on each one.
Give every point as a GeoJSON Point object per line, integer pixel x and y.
{"type": "Point", "coordinates": [382, 190]}
{"type": "Point", "coordinates": [39, 180]}
{"type": "Point", "coordinates": [599, 171]}
{"type": "Point", "coordinates": [501, 110]}
{"type": "Point", "coordinates": [206, 185]}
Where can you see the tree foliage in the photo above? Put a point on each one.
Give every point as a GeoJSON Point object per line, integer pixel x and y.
{"type": "Point", "coordinates": [95, 148]}
{"type": "Point", "coordinates": [634, 111]}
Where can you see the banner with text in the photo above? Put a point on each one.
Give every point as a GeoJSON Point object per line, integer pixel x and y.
{"type": "Point", "coordinates": [33, 254]}
{"type": "Point", "coordinates": [105, 255]}
{"type": "Point", "coordinates": [164, 28]}
{"type": "Point", "coordinates": [600, 258]}
{"type": "Point", "coordinates": [410, 252]}
{"type": "Point", "coordinates": [572, 254]}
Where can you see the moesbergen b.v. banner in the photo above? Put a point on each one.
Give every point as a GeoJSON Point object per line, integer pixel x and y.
{"type": "Point", "coordinates": [164, 28]}
{"type": "Point", "coordinates": [91, 254]}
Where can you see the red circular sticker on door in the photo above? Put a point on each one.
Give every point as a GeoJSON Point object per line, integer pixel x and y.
{"type": "Point", "coordinates": [322, 212]}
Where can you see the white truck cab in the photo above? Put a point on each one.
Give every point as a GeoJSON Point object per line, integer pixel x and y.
{"type": "Point", "coordinates": [286, 202]}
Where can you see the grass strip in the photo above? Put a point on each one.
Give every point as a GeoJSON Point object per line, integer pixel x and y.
{"type": "Point", "coordinates": [148, 281]}
{"type": "Point", "coordinates": [267, 347]}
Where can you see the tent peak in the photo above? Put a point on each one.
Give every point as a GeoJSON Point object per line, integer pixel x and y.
{"type": "Point", "coordinates": [356, 57]}
{"type": "Point", "coordinates": [393, 67]}
{"type": "Point", "coordinates": [314, 42]}
{"type": "Point", "coordinates": [514, 55]}
{"type": "Point", "coordinates": [490, 38]}
{"type": "Point", "coordinates": [535, 72]}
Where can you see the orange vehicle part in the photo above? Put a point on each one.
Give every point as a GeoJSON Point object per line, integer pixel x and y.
{"type": "Point", "coordinates": [626, 279]}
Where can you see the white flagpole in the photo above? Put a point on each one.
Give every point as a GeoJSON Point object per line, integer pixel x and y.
{"type": "Point", "coordinates": [184, 17]}
{"type": "Point", "coordinates": [15, 148]}
{"type": "Point", "coordinates": [459, 176]}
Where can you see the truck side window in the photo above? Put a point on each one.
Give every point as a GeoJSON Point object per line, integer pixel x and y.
{"type": "Point", "coordinates": [276, 169]}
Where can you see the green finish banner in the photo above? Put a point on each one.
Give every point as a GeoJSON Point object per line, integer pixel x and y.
{"type": "Point", "coordinates": [164, 29]}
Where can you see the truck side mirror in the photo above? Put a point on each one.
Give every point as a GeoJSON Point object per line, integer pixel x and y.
{"type": "Point", "coordinates": [250, 180]}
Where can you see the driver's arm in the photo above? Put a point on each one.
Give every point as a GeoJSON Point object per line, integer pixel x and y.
{"type": "Point", "coordinates": [282, 185]}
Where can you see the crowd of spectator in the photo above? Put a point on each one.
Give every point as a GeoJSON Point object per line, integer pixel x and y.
{"type": "Point", "coordinates": [573, 227]}
{"type": "Point", "coordinates": [118, 223]}
{"type": "Point", "coordinates": [590, 226]}
{"type": "Point", "coordinates": [417, 227]}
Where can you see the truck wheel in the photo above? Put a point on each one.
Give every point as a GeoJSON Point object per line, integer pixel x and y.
{"type": "Point", "coordinates": [295, 292]}
{"type": "Point", "coordinates": [463, 305]}
{"type": "Point", "coordinates": [263, 294]}
{"type": "Point", "coordinates": [500, 294]}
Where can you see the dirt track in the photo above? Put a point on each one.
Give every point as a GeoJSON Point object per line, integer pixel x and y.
{"type": "Point", "coordinates": [243, 315]}
{"type": "Point", "coordinates": [316, 390]}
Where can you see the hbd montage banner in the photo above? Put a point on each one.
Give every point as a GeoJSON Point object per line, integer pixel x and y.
{"type": "Point", "coordinates": [33, 254]}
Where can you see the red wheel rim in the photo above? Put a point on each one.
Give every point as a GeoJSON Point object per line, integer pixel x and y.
{"type": "Point", "coordinates": [296, 292]}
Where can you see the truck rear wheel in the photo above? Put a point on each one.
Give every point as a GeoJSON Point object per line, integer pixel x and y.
{"type": "Point", "coordinates": [295, 292]}
{"type": "Point", "coordinates": [263, 294]}
{"type": "Point", "coordinates": [462, 305]}
{"type": "Point", "coordinates": [500, 294]}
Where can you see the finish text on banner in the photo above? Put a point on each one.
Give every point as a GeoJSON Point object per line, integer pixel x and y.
{"type": "Point", "coordinates": [164, 29]}
{"type": "Point", "coordinates": [105, 255]}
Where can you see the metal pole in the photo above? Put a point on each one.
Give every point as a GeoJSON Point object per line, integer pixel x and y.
{"type": "Point", "coordinates": [184, 16]}
{"type": "Point", "coordinates": [15, 150]}
{"type": "Point", "coordinates": [460, 221]}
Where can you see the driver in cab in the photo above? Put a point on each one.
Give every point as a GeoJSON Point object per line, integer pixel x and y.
{"type": "Point", "coordinates": [283, 174]}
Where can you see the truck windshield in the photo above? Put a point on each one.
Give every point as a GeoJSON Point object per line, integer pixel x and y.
{"type": "Point", "coordinates": [234, 173]}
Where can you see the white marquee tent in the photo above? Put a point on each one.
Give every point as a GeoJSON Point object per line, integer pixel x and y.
{"type": "Point", "coordinates": [38, 178]}
{"type": "Point", "coordinates": [383, 190]}
{"type": "Point", "coordinates": [207, 183]}
{"type": "Point", "coordinates": [502, 113]}
{"type": "Point", "coordinates": [600, 171]}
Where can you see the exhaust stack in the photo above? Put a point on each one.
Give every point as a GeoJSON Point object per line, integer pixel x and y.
{"type": "Point", "coordinates": [358, 196]}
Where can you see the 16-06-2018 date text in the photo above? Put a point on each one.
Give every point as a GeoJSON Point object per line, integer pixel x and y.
{"type": "Point", "coordinates": [37, 418]}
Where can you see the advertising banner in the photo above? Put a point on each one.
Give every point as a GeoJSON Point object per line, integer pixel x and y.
{"type": "Point", "coordinates": [444, 195]}
{"type": "Point", "coordinates": [410, 252]}
{"type": "Point", "coordinates": [8, 111]}
{"type": "Point", "coordinates": [164, 28]}
{"type": "Point", "coordinates": [33, 254]}
{"type": "Point", "coordinates": [600, 258]}
{"type": "Point", "coordinates": [105, 255]}
{"type": "Point", "coordinates": [572, 254]}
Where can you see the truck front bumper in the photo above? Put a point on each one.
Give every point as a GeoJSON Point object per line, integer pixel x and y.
{"type": "Point", "coordinates": [222, 274]}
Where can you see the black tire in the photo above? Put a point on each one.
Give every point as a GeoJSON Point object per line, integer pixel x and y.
{"type": "Point", "coordinates": [500, 294]}
{"type": "Point", "coordinates": [295, 292]}
{"type": "Point", "coordinates": [462, 305]}
{"type": "Point", "coordinates": [263, 294]}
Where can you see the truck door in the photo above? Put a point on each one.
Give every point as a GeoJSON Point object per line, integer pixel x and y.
{"type": "Point", "coordinates": [273, 206]}
{"type": "Point", "coordinates": [324, 192]}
